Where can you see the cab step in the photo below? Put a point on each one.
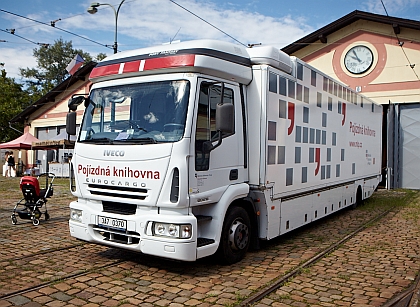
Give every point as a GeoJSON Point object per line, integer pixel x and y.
{"type": "Point", "coordinates": [203, 218]}
{"type": "Point", "coordinates": [204, 241]}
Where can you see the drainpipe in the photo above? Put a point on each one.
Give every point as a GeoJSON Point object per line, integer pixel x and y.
{"type": "Point", "coordinates": [10, 126]}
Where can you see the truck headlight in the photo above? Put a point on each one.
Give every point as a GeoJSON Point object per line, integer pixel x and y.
{"type": "Point", "coordinates": [76, 215]}
{"type": "Point", "coordinates": [183, 231]}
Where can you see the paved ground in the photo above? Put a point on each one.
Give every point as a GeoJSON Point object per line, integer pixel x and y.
{"type": "Point", "coordinates": [368, 270]}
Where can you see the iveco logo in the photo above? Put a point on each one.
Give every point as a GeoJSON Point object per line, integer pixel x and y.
{"type": "Point", "coordinates": [114, 153]}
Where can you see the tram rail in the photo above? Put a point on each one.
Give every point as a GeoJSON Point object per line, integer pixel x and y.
{"type": "Point", "coordinates": [295, 255]}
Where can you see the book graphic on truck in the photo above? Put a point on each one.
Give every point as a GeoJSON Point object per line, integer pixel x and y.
{"type": "Point", "coordinates": [204, 147]}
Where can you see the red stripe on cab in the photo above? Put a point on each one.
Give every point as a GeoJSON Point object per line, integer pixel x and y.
{"type": "Point", "coordinates": [149, 64]}
{"type": "Point", "coordinates": [131, 66]}
{"type": "Point", "coordinates": [105, 71]}
{"type": "Point", "coordinates": [170, 61]}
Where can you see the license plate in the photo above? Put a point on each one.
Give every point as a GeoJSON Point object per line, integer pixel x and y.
{"type": "Point", "coordinates": [112, 223]}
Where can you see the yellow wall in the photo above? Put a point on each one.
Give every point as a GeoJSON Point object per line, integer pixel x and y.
{"type": "Point", "coordinates": [53, 114]}
{"type": "Point", "coordinates": [390, 78]}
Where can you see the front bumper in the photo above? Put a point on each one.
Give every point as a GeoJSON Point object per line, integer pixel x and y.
{"type": "Point", "coordinates": [137, 237]}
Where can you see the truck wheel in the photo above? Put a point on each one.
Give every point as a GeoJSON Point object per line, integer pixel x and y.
{"type": "Point", "coordinates": [236, 236]}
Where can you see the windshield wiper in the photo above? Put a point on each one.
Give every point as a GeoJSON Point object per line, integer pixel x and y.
{"type": "Point", "coordinates": [98, 140]}
{"type": "Point", "coordinates": [135, 126]}
{"type": "Point", "coordinates": [145, 140]}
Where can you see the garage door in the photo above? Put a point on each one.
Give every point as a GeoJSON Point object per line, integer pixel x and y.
{"type": "Point", "coordinates": [409, 146]}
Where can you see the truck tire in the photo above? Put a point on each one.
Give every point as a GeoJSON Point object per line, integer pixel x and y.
{"type": "Point", "coordinates": [236, 236]}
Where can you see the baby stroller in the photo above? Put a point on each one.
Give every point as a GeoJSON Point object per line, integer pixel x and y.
{"type": "Point", "coordinates": [33, 198]}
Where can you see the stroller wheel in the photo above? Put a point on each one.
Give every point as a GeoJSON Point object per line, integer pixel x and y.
{"type": "Point", "coordinates": [37, 214]}
{"type": "Point", "coordinates": [35, 222]}
{"type": "Point", "coordinates": [47, 216]}
{"type": "Point", "coordinates": [14, 220]}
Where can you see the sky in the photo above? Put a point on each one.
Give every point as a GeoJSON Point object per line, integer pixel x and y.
{"type": "Point", "coordinates": [143, 23]}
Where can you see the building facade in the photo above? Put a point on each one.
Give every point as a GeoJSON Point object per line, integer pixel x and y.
{"type": "Point", "coordinates": [46, 119]}
{"type": "Point", "coordinates": [378, 56]}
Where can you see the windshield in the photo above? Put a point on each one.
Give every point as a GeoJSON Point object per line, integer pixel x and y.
{"type": "Point", "coordinates": [136, 113]}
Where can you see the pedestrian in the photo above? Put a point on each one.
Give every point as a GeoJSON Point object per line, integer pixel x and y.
{"type": "Point", "coordinates": [6, 165]}
{"type": "Point", "coordinates": [11, 164]}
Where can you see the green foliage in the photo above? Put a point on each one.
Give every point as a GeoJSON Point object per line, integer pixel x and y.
{"type": "Point", "coordinates": [52, 61]}
{"type": "Point", "coordinates": [100, 57]}
{"type": "Point", "coordinates": [13, 100]}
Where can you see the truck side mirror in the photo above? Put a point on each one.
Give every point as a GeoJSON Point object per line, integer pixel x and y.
{"type": "Point", "coordinates": [71, 123]}
{"type": "Point", "coordinates": [225, 118]}
{"type": "Point", "coordinates": [74, 102]}
{"type": "Point", "coordinates": [225, 124]}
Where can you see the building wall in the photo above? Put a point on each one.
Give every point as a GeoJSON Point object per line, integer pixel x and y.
{"type": "Point", "coordinates": [46, 122]}
{"type": "Point", "coordinates": [390, 78]}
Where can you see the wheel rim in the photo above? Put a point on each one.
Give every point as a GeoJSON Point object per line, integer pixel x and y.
{"type": "Point", "coordinates": [238, 235]}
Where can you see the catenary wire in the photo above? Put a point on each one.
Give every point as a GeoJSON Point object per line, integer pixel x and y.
{"type": "Point", "coordinates": [24, 38]}
{"type": "Point", "coordinates": [55, 27]}
{"type": "Point", "coordinates": [401, 44]}
{"type": "Point", "coordinates": [202, 19]}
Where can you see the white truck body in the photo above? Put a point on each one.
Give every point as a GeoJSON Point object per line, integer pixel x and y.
{"type": "Point", "coordinates": [152, 175]}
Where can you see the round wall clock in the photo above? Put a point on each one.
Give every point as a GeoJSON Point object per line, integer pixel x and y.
{"type": "Point", "coordinates": [358, 59]}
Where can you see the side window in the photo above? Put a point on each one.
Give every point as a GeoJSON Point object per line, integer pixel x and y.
{"type": "Point", "coordinates": [209, 97]}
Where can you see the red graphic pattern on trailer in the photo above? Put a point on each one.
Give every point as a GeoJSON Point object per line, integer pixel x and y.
{"type": "Point", "coordinates": [312, 112]}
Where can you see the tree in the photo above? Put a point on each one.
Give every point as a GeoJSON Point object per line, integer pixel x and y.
{"type": "Point", "coordinates": [100, 56]}
{"type": "Point", "coordinates": [52, 61]}
{"type": "Point", "coordinates": [13, 100]}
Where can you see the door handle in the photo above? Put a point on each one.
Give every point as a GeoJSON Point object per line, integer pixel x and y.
{"type": "Point", "coordinates": [233, 175]}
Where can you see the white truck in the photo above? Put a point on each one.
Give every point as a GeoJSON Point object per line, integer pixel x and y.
{"type": "Point", "coordinates": [204, 147]}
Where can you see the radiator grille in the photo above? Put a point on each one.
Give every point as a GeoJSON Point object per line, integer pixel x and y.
{"type": "Point", "coordinates": [119, 208]}
{"type": "Point", "coordinates": [118, 191]}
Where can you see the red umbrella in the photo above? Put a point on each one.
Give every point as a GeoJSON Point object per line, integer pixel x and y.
{"type": "Point", "coordinates": [22, 142]}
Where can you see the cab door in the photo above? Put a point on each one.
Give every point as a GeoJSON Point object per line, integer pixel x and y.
{"type": "Point", "coordinates": [212, 171]}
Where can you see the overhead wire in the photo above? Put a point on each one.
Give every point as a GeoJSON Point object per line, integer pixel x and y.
{"type": "Point", "coordinates": [54, 26]}
{"type": "Point", "coordinates": [54, 21]}
{"type": "Point", "coordinates": [24, 38]}
{"type": "Point", "coordinates": [202, 19]}
{"type": "Point", "coordinates": [401, 44]}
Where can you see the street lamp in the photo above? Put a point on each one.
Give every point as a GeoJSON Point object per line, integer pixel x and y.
{"type": "Point", "coordinates": [93, 9]}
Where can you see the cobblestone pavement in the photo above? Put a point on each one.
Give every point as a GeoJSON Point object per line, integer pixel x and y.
{"type": "Point", "coordinates": [57, 270]}
{"type": "Point", "coordinates": [366, 271]}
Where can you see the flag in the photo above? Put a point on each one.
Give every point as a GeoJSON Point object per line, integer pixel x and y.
{"type": "Point", "coordinates": [75, 64]}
